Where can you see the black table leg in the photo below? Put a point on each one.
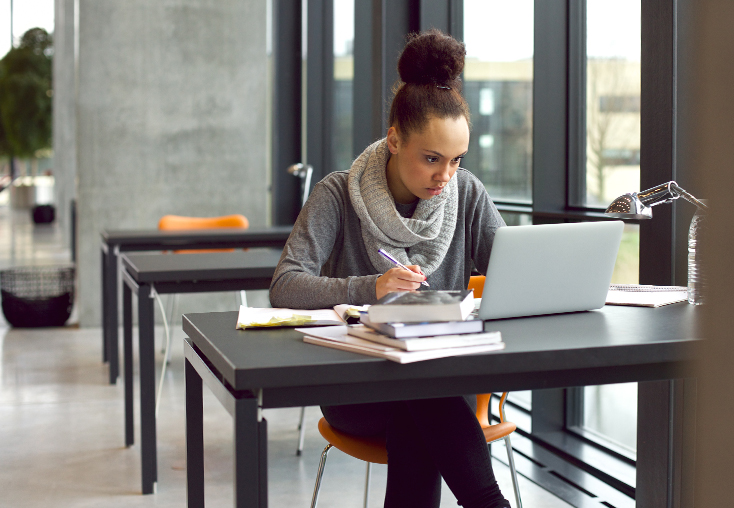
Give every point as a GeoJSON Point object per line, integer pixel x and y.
{"type": "Point", "coordinates": [146, 353]}
{"type": "Point", "coordinates": [250, 457]}
{"type": "Point", "coordinates": [194, 438]}
{"type": "Point", "coordinates": [104, 304]}
{"type": "Point", "coordinates": [127, 323]}
{"type": "Point", "coordinates": [112, 314]}
{"type": "Point", "coordinates": [664, 476]}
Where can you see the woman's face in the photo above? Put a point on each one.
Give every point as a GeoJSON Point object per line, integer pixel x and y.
{"type": "Point", "coordinates": [421, 165]}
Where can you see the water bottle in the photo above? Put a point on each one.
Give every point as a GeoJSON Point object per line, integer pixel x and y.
{"type": "Point", "coordinates": [696, 262]}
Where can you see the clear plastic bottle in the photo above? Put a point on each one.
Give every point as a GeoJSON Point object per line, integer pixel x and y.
{"type": "Point", "coordinates": [696, 262]}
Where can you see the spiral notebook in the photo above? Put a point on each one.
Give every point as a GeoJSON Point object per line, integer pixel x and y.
{"type": "Point", "coordinates": [645, 295]}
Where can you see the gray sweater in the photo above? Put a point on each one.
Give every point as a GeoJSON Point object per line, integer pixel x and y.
{"type": "Point", "coordinates": [325, 263]}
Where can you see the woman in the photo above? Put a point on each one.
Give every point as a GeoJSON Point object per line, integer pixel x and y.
{"type": "Point", "coordinates": [405, 194]}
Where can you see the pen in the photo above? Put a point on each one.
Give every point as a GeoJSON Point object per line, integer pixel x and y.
{"type": "Point", "coordinates": [398, 263]}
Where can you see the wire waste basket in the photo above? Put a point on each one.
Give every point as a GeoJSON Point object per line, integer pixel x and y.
{"type": "Point", "coordinates": [36, 296]}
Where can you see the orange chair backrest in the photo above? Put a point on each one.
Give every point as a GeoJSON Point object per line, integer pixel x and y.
{"type": "Point", "coordinates": [476, 282]}
{"type": "Point", "coordinates": [178, 222]}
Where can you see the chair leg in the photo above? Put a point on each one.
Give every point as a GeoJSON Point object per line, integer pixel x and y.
{"type": "Point", "coordinates": [367, 485]}
{"type": "Point", "coordinates": [317, 487]}
{"type": "Point", "coordinates": [511, 462]}
{"type": "Point", "coordinates": [166, 351]}
{"type": "Point", "coordinates": [301, 431]}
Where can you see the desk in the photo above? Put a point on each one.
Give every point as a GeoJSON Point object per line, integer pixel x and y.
{"type": "Point", "coordinates": [115, 242]}
{"type": "Point", "coordinates": [174, 273]}
{"type": "Point", "coordinates": [252, 370]}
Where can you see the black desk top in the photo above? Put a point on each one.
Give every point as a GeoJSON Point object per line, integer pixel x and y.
{"type": "Point", "coordinates": [162, 267]}
{"type": "Point", "coordinates": [154, 239]}
{"type": "Point", "coordinates": [613, 344]}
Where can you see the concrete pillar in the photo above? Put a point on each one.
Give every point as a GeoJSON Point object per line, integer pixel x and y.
{"type": "Point", "coordinates": [170, 119]}
{"type": "Point", "coordinates": [64, 116]}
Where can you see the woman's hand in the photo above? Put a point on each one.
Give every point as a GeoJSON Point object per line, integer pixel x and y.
{"type": "Point", "coordinates": [397, 279]}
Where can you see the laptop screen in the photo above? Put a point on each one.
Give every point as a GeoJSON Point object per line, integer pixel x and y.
{"type": "Point", "coordinates": [548, 269]}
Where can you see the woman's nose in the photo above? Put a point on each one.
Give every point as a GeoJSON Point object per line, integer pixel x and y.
{"type": "Point", "coordinates": [443, 174]}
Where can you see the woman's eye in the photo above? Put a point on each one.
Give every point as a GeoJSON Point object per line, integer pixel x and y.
{"type": "Point", "coordinates": [457, 160]}
{"type": "Point", "coordinates": [432, 159]}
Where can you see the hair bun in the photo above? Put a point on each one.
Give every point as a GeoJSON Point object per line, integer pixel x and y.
{"type": "Point", "coordinates": [431, 57]}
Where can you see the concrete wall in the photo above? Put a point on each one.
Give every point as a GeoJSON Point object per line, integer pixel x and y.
{"type": "Point", "coordinates": [170, 118]}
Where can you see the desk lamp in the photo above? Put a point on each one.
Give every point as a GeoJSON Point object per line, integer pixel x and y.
{"type": "Point", "coordinates": [304, 172]}
{"type": "Point", "coordinates": [638, 205]}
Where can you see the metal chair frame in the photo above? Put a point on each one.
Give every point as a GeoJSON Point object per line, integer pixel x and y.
{"type": "Point", "coordinates": [510, 460]}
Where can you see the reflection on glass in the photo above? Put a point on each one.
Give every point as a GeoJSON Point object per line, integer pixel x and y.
{"type": "Point", "coordinates": [516, 219]}
{"type": "Point", "coordinates": [343, 78]}
{"type": "Point", "coordinates": [627, 266]}
{"type": "Point", "coordinates": [498, 83]}
{"type": "Point", "coordinates": [610, 412]}
{"type": "Point", "coordinates": [612, 100]}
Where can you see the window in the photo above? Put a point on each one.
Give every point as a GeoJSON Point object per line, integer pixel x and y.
{"type": "Point", "coordinates": [610, 416]}
{"type": "Point", "coordinates": [343, 80]}
{"type": "Point", "coordinates": [612, 100]}
{"type": "Point", "coordinates": [498, 85]}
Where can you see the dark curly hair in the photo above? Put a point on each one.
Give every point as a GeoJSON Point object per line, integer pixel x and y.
{"type": "Point", "coordinates": [430, 85]}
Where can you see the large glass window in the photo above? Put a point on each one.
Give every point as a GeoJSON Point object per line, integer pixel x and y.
{"type": "Point", "coordinates": [343, 90]}
{"type": "Point", "coordinates": [612, 100]}
{"type": "Point", "coordinates": [498, 84]}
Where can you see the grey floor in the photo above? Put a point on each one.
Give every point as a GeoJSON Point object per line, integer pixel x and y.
{"type": "Point", "coordinates": [61, 431]}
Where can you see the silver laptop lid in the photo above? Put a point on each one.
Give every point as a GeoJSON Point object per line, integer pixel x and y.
{"type": "Point", "coordinates": [547, 269]}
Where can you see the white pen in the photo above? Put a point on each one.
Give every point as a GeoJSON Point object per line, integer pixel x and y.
{"type": "Point", "coordinates": [398, 263]}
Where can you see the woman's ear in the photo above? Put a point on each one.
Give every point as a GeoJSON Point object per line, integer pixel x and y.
{"type": "Point", "coordinates": [393, 140]}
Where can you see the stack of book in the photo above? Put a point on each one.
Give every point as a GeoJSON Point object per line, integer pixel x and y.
{"type": "Point", "coordinates": [410, 327]}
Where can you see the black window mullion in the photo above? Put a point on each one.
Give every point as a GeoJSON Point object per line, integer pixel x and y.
{"type": "Point", "coordinates": [319, 86]}
{"type": "Point", "coordinates": [379, 35]}
{"type": "Point", "coordinates": [576, 102]}
{"type": "Point", "coordinates": [657, 131]}
{"type": "Point", "coordinates": [286, 140]}
{"type": "Point", "coordinates": [550, 106]}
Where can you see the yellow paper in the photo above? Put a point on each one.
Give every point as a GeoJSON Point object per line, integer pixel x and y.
{"type": "Point", "coordinates": [293, 320]}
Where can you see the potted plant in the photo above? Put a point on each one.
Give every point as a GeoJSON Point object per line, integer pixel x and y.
{"type": "Point", "coordinates": [26, 101]}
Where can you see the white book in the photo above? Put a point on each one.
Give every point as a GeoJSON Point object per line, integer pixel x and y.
{"type": "Point", "coordinates": [424, 343]}
{"type": "Point", "coordinates": [645, 296]}
{"type": "Point", "coordinates": [337, 337]}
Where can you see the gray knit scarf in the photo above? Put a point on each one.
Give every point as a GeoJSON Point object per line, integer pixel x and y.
{"type": "Point", "coordinates": [421, 240]}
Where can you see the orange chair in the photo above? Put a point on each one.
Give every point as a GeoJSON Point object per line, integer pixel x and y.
{"type": "Point", "coordinates": [373, 450]}
{"type": "Point", "coordinates": [178, 222]}
{"type": "Point", "coordinates": [476, 282]}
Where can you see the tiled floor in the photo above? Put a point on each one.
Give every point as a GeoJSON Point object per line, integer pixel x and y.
{"type": "Point", "coordinates": [61, 429]}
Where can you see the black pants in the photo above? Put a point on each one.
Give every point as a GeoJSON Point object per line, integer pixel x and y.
{"type": "Point", "coordinates": [426, 440]}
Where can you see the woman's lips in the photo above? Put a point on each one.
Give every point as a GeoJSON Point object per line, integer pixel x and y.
{"type": "Point", "coordinates": [435, 191]}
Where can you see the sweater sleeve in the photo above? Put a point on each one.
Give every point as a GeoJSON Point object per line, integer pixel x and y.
{"type": "Point", "coordinates": [298, 282]}
{"type": "Point", "coordinates": [484, 222]}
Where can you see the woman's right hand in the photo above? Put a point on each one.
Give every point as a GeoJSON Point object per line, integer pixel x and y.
{"type": "Point", "coordinates": [397, 279]}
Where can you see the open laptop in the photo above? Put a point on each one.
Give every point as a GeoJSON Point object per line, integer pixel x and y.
{"type": "Point", "coordinates": [548, 269]}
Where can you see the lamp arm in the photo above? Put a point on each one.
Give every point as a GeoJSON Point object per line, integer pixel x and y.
{"type": "Point", "coordinates": [689, 197]}
{"type": "Point", "coordinates": [666, 193]}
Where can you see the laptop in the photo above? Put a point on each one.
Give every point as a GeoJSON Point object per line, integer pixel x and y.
{"type": "Point", "coordinates": [549, 269]}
